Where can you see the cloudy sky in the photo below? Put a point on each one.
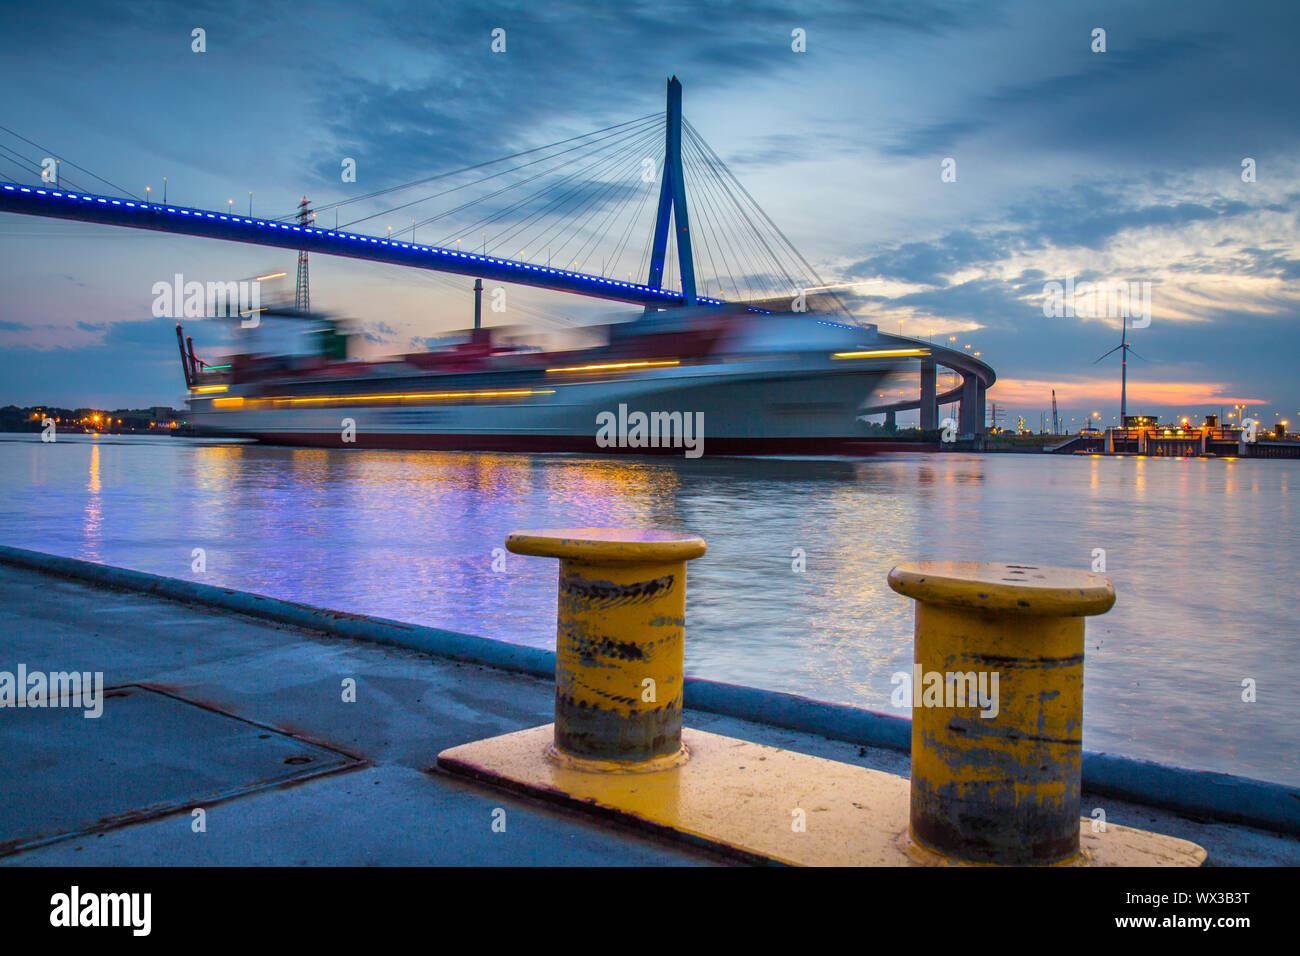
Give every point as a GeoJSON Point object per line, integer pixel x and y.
{"type": "Point", "coordinates": [1117, 166]}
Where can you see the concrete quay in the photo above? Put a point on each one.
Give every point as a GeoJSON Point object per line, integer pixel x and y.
{"type": "Point", "coordinates": [246, 718]}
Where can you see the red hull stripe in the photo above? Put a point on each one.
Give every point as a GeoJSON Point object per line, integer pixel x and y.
{"type": "Point", "coordinates": [587, 444]}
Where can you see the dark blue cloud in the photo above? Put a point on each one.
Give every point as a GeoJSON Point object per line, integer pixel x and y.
{"type": "Point", "coordinates": [931, 263]}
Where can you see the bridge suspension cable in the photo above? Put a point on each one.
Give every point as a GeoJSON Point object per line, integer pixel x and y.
{"type": "Point", "coordinates": [69, 162]}
{"type": "Point", "coordinates": [597, 165]}
{"type": "Point", "coordinates": [616, 165]}
{"type": "Point", "coordinates": [481, 181]}
{"type": "Point", "coordinates": [802, 275]}
{"type": "Point", "coordinates": [30, 167]}
{"type": "Point", "coordinates": [464, 169]}
{"type": "Point", "coordinates": [586, 199]}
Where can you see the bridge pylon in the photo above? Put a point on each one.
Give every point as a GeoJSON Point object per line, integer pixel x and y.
{"type": "Point", "coordinates": [672, 202]}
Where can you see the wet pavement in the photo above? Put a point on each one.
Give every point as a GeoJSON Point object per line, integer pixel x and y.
{"type": "Point", "coordinates": [253, 723]}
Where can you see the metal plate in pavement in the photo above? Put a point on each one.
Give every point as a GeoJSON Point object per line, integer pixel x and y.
{"type": "Point", "coordinates": [148, 754]}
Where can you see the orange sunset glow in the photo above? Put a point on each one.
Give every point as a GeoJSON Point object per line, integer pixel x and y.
{"type": "Point", "coordinates": [1100, 390]}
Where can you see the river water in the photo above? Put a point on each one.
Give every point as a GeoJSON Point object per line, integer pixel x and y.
{"type": "Point", "coordinates": [1202, 554]}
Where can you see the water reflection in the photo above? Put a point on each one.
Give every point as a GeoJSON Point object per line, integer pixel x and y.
{"type": "Point", "coordinates": [1201, 553]}
{"type": "Point", "coordinates": [92, 526]}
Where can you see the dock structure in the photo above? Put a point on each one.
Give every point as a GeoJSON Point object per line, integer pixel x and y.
{"type": "Point", "coordinates": [1145, 436]}
{"type": "Point", "coordinates": [309, 737]}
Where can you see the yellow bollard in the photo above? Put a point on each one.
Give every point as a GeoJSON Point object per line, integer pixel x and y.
{"type": "Point", "coordinates": [1003, 787]}
{"type": "Point", "coordinates": [619, 641]}
{"type": "Point", "coordinates": [617, 748]}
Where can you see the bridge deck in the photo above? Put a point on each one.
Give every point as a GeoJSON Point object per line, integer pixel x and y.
{"type": "Point", "coordinates": [183, 220]}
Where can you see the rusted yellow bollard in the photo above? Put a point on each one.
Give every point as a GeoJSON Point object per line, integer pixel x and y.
{"type": "Point", "coordinates": [619, 639]}
{"type": "Point", "coordinates": [998, 780]}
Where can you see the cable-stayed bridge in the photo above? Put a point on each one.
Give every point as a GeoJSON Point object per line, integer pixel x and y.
{"type": "Point", "coordinates": [572, 231]}
{"type": "Point", "coordinates": [563, 217]}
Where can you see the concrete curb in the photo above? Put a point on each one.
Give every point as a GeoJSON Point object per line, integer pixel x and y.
{"type": "Point", "coordinates": [1198, 793]}
{"type": "Point", "coordinates": [465, 647]}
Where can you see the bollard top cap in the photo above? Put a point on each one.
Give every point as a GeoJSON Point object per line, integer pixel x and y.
{"type": "Point", "coordinates": [1019, 588]}
{"type": "Point", "coordinates": [607, 545]}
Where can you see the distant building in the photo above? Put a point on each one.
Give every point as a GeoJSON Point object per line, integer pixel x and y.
{"type": "Point", "coordinates": [1141, 421]}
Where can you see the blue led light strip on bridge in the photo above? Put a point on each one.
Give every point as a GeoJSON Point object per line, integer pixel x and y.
{"type": "Point", "coordinates": [83, 207]}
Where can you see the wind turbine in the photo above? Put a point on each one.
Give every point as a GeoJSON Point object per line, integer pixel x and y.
{"type": "Point", "coordinates": [1124, 348]}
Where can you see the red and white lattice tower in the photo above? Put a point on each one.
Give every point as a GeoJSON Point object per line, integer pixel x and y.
{"type": "Point", "coordinates": [302, 296]}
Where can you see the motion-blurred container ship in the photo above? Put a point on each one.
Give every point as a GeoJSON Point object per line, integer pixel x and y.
{"type": "Point", "coordinates": [734, 381]}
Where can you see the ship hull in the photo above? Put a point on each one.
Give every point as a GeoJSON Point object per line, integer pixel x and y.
{"type": "Point", "coordinates": [762, 395]}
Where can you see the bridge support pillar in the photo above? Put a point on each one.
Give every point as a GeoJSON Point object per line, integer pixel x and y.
{"type": "Point", "coordinates": [972, 406]}
{"type": "Point", "coordinates": [929, 395]}
{"type": "Point", "coordinates": [891, 421]}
